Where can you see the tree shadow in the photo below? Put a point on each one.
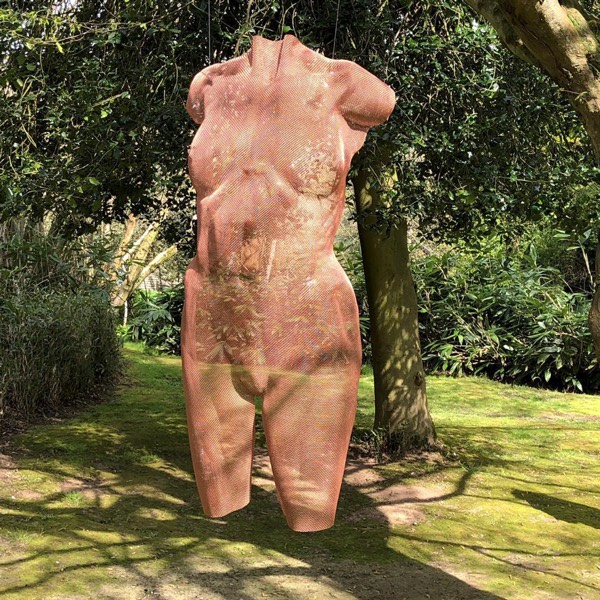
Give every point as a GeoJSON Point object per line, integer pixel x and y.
{"type": "Point", "coordinates": [563, 510]}
{"type": "Point", "coordinates": [318, 556]}
{"type": "Point", "coordinates": [154, 506]}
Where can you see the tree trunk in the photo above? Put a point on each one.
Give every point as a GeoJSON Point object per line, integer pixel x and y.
{"type": "Point", "coordinates": [562, 39]}
{"type": "Point", "coordinates": [400, 393]}
{"type": "Point", "coordinates": [156, 262]}
{"type": "Point", "coordinates": [134, 260]}
{"type": "Point", "coordinates": [125, 240]}
{"type": "Point", "coordinates": [594, 316]}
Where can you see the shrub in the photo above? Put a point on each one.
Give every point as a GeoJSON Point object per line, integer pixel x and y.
{"type": "Point", "coordinates": [58, 339]}
{"type": "Point", "coordinates": [485, 313]}
{"type": "Point", "coordinates": [156, 318]}
{"type": "Point", "coordinates": [54, 349]}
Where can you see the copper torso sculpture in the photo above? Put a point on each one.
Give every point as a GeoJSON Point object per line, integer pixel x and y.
{"type": "Point", "coordinates": [268, 309]}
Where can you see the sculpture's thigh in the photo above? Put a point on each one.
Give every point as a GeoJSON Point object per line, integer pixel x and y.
{"type": "Point", "coordinates": [220, 420]}
{"type": "Point", "coordinates": [308, 419]}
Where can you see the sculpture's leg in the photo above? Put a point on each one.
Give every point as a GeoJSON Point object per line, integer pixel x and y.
{"type": "Point", "coordinates": [220, 420]}
{"type": "Point", "coordinates": [221, 433]}
{"type": "Point", "coordinates": [308, 419]}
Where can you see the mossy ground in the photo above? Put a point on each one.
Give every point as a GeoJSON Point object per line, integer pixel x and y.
{"type": "Point", "coordinates": [104, 505]}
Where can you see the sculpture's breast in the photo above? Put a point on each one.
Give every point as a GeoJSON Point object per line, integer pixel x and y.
{"type": "Point", "coordinates": [285, 130]}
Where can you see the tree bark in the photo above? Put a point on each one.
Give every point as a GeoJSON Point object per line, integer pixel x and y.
{"type": "Point", "coordinates": [564, 41]}
{"type": "Point", "coordinates": [134, 260]}
{"type": "Point", "coordinates": [158, 260]}
{"type": "Point", "coordinates": [594, 316]}
{"type": "Point", "coordinates": [400, 391]}
{"type": "Point", "coordinates": [126, 239]}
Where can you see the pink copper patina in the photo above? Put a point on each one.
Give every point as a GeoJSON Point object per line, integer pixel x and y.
{"type": "Point", "coordinates": [269, 312]}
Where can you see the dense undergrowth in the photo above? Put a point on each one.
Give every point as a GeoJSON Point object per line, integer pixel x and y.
{"type": "Point", "coordinates": [482, 311]}
{"type": "Point", "coordinates": [58, 341]}
{"type": "Point", "coordinates": [491, 314]}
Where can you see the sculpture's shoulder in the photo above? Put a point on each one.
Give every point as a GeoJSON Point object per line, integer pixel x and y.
{"type": "Point", "coordinates": [209, 74]}
{"type": "Point", "coordinates": [206, 78]}
{"type": "Point", "coordinates": [365, 99]}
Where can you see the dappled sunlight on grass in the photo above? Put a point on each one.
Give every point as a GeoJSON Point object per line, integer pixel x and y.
{"type": "Point", "coordinates": [108, 501]}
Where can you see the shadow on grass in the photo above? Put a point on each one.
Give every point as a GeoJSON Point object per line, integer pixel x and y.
{"type": "Point", "coordinates": [143, 516]}
{"type": "Point", "coordinates": [344, 558]}
{"type": "Point", "coordinates": [146, 509]}
{"type": "Point", "coordinates": [563, 510]}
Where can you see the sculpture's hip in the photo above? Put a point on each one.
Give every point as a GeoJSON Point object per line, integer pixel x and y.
{"type": "Point", "coordinates": [287, 322]}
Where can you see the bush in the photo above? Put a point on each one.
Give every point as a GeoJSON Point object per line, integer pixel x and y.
{"type": "Point", "coordinates": [54, 348]}
{"type": "Point", "coordinates": [58, 339]}
{"type": "Point", "coordinates": [482, 312]}
{"type": "Point", "coordinates": [156, 319]}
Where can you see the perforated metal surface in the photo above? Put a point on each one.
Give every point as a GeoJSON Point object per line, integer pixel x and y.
{"type": "Point", "coordinates": [268, 309]}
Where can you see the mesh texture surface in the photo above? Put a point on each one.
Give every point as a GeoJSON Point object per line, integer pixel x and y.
{"type": "Point", "coordinates": [268, 311]}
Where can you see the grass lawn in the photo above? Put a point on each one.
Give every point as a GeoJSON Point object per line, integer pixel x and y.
{"type": "Point", "coordinates": [104, 505]}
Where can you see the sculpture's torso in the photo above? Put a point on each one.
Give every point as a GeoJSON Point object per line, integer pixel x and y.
{"type": "Point", "coordinates": [269, 164]}
{"type": "Point", "coordinates": [268, 309]}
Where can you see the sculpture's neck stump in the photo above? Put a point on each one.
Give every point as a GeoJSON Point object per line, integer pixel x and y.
{"type": "Point", "coordinates": [267, 57]}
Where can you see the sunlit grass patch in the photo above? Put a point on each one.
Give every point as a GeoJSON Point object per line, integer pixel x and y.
{"type": "Point", "coordinates": [19, 536]}
{"type": "Point", "coordinates": [108, 501]}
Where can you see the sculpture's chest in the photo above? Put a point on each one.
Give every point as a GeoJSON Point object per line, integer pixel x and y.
{"type": "Point", "coordinates": [288, 126]}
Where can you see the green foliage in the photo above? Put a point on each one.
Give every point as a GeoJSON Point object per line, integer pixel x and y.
{"type": "Point", "coordinates": [349, 256]}
{"type": "Point", "coordinates": [156, 319]}
{"type": "Point", "coordinates": [57, 328]}
{"type": "Point", "coordinates": [570, 253]}
{"type": "Point", "coordinates": [483, 312]}
{"type": "Point", "coordinates": [33, 258]}
{"type": "Point", "coordinates": [480, 140]}
{"type": "Point", "coordinates": [54, 348]}
{"type": "Point", "coordinates": [94, 110]}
